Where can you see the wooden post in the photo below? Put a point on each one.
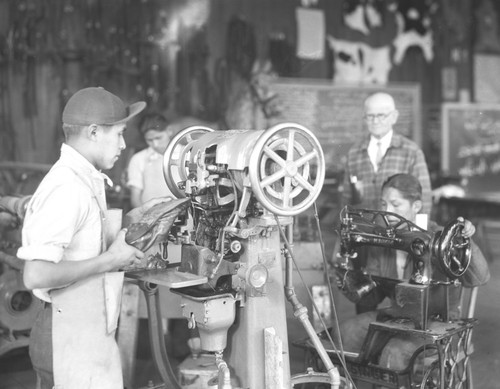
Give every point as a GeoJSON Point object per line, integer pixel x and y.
{"type": "Point", "coordinates": [128, 331]}
{"type": "Point", "coordinates": [273, 356]}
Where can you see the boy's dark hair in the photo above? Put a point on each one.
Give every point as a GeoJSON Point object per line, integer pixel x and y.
{"type": "Point", "coordinates": [408, 185]}
{"type": "Point", "coordinates": [153, 121]}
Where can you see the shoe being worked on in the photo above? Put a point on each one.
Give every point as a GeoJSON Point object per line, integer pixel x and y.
{"type": "Point", "coordinates": [154, 226]}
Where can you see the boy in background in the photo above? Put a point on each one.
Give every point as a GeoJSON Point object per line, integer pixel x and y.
{"type": "Point", "coordinates": [145, 169]}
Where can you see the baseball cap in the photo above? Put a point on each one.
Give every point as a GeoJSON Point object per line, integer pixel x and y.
{"type": "Point", "coordinates": [96, 105]}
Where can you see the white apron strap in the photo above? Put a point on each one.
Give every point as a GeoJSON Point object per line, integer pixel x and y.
{"type": "Point", "coordinates": [113, 282]}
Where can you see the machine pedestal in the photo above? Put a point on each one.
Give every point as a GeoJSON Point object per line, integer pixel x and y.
{"type": "Point", "coordinates": [197, 373]}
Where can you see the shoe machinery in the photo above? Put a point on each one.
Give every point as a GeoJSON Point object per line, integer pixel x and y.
{"type": "Point", "coordinates": [241, 189]}
{"type": "Point", "coordinates": [18, 306]}
{"type": "Point", "coordinates": [420, 308]}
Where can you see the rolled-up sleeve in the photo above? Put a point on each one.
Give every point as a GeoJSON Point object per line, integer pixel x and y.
{"type": "Point", "coordinates": [52, 217]}
{"type": "Point", "coordinates": [478, 272]}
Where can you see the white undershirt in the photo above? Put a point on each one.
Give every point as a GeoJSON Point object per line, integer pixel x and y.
{"type": "Point", "coordinates": [385, 142]}
{"type": "Point", "coordinates": [401, 257]}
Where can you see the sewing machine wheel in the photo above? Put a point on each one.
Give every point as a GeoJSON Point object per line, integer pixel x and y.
{"type": "Point", "coordinates": [431, 378]}
{"type": "Point", "coordinates": [453, 250]}
{"type": "Point", "coordinates": [287, 169]}
{"type": "Point", "coordinates": [18, 307]}
{"type": "Point", "coordinates": [177, 155]}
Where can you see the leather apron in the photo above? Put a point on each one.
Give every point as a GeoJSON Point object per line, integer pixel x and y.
{"type": "Point", "coordinates": [84, 321]}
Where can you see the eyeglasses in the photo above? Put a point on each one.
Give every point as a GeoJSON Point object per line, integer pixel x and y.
{"type": "Point", "coordinates": [379, 116]}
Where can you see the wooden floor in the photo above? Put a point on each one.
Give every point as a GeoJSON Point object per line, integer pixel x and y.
{"type": "Point", "coordinates": [16, 372]}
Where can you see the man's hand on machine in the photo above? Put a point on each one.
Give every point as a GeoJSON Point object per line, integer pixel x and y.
{"type": "Point", "coordinates": [127, 256]}
{"type": "Point", "coordinates": [469, 228]}
{"type": "Point", "coordinates": [155, 224]}
{"type": "Point", "coordinates": [122, 255]}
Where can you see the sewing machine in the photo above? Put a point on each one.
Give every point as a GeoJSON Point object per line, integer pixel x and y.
{"type": "Point", "coordinates": [420, 307]}
{"type": "Point", "coordinates": [242, 188]}
{"type": "Point", "coordinates": [424, 295]}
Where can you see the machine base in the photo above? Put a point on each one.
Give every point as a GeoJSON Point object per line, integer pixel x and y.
{"type": "Point", "coordinates": [197, 373]}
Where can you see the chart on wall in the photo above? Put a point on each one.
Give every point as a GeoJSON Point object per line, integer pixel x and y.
{"type": "Point", "coordinates": [471, 140]}
{"type": "Point", "coordinates": [334, 112]}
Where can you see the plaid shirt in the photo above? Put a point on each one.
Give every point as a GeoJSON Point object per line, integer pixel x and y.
{"type": "Point", "coordinates": [402, 156]}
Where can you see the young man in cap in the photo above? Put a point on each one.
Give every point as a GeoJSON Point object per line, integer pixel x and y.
{"type": "Point", "coordinates": [73, 255]}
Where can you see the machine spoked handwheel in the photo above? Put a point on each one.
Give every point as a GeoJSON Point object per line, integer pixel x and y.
{"type": "Point", "coordinates": [424, 370]}
{"type": "Point", "coordinates": [431, 378]}
{"type": "Point", "coordinates": [177, 155]}
{"type": "Point", "coordinates": [287, 169]}
{"type": "Point", "coordinates": [453, 249]}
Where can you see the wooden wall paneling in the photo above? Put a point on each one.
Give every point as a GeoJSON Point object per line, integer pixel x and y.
{"type": "Point", "coordinates": [456, 21]}
{"type": "Point", "coordinates": [116, 45]}
{"type": "Point", "coordinates": [36, 130]}
{"type": "Point", "coordinates": [267, 17]}
{"type": "Point", "coordinates": [263, 20]}
{"type": "Point", "coordinates": [6, 128]}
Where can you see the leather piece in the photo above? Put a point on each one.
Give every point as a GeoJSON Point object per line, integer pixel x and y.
{"type": "Point", "coordinates": [155, 224]}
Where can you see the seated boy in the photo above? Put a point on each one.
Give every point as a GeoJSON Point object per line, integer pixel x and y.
{"type": "Point", "coordinates": [402, 194]}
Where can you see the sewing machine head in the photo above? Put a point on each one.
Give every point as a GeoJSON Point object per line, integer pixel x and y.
{"type": "Point", "coordinates": [446, 251]}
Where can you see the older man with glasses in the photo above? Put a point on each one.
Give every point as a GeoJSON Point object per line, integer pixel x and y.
{"type": "Point", "coordinates": [380, 155]}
